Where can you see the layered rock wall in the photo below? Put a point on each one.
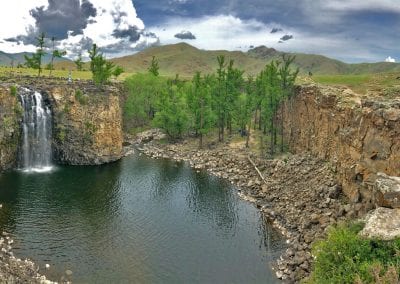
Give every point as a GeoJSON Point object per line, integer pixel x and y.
{"type": "Point", "coordinates": [359, 135]}
{"type": "Point", "coordinates": [10, 115]}
{"type": "Point", "coordinates": [87, 126]}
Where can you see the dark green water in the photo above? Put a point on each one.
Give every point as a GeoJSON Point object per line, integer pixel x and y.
{"type": "Point", "coordinates": [137, 221]}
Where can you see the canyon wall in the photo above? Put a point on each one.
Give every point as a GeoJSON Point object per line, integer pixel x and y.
{"type": "Point", "coordinates": [359, 135]}
{"type": "Point", "coordinates": [87, 121]}
{"type": "Point", "coordinates": [10, 116]}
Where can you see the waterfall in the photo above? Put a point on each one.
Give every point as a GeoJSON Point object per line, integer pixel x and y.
{"type": "Point", "coordinates": [35, 155]}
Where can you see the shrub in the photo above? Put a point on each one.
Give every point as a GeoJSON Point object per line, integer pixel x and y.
{"type": "Point", "coordinates": [80, 97]}
{"type": "Point", "coordinates": [345, 257]}
{"type": "Point", "coordinates": [13, 91]}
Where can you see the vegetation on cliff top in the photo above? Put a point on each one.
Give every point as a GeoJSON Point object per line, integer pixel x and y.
{"type": "Point", "coordinates": [345, 257]}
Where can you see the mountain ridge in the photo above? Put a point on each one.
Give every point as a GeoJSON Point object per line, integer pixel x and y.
{"type": "Point", "coordinates": [185, 59]}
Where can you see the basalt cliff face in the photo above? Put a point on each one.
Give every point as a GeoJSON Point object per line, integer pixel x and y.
{"type": "Point", "coordinates": [360, 135]}
{"type": "Point", "coordinates": [10, 115]}
{"type": "Point", "coordinates": [87, 125]}
{"type": "Point", "coordinates": [87, 121]}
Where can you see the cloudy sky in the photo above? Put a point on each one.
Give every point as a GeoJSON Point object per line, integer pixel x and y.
{"type": "Point", "coordinates": [349, 30]}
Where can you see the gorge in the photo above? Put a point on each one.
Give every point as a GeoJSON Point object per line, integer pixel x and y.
{"type": "Point", "coordinates": [355, 139]}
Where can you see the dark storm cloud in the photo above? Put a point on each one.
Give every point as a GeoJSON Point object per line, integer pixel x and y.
{"type": "Point", "coordinates": [185, 35]}
{"type": "Point", "coordinates": [275, 30]}
{"type": "Point", "coordinates": [286, 37]}
{"type": "Point", "coordinates": [132, 33]}
{"type": "Point", "coordinates": [62, 16]}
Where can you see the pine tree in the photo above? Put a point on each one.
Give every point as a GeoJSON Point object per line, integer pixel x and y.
{"type": "Point", "coordinates": [35, 61]}
{"type": "Point", "coordinates": [79, 62]}
{"type": "Point", "coordinates": [154, 68]}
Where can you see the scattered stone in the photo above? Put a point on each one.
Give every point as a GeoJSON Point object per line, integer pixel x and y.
{"type": "Point", "coordinates": [382, 223]}
{"type": "Point", "coordinates": [387, 191]}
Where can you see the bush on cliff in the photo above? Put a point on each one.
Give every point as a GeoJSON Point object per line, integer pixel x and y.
{"type": "Point", "coordinates": [345, 257]}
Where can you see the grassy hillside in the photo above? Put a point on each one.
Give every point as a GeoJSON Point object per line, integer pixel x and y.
{"type": "Point", "coordinates": [6, 59]}
{"type": "Point", "coordinates": [185, 60]}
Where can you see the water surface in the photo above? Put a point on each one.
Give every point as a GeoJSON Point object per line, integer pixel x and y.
{"type": "Point", "coordinates": [137, 221]}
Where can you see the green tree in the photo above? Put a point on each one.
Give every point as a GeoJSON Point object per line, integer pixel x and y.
{"type": "Point", "coordinates": [143, 91]}
{"type": "Point", "coordinates": [55, 54]}
{"type": "Point", "coordinates": [79, 62]}
{"type": "Point", "coordinates": [234, 84]}
{"type": "Point", "coordinates": [288, 77]}
{"type": "Point", "coordinates": [102, 70]}
{"type": "Point", "coordinates": [154, 67]}
{"type": "Point", "coordinates": [219, 96]}
{"type": "Point", "coordinates": [172, 115]}
{"type": "Point", "coordinates": [35, 61]}
{"type": "Point", "coordinates": [200, 105]}
{"type": "Point", "coordinates": [269, 82]}
{"type": "Point", "coordinates": [118, 70]}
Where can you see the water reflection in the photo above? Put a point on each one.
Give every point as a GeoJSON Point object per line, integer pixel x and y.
{"type": "Point", "coordinates": [138, 220]}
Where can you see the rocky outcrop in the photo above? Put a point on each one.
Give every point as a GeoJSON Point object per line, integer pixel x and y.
{"type": "Point", "coordinates": [387, 191]}
{"type": "Point", "coordinates": [10, 115]}
{"type": "Point", "coordinates": [87, 125]}
{"type": "Point", "coordinates": [359, 134]}
{"type": "Point", "coordinates": [382, 223]}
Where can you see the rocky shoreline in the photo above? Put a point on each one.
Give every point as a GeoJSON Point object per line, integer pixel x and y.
{"type": "Point", "coordinates": [298, 194]}
{"type": "Point", "coordinates": [16, 270]}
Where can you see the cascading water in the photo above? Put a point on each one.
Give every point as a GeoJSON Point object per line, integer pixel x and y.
{"type": "Point", "coordinates": [36, 133]}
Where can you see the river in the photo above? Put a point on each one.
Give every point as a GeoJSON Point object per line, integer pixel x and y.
{"type": "Point", "coordinates": [138, 220]}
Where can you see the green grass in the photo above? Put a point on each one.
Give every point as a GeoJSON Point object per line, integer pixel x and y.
{"type": "Point", "coordinates": [345, 257]}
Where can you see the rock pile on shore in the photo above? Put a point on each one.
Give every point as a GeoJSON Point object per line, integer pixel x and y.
{"type": "Point", "coordinates": [15, 270]}
{"type": "Point", "coordinates": [298, 194]}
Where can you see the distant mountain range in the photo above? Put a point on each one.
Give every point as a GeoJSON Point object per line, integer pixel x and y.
{"type": "Point", "coordinates": [7, 59]}
{"type": "Point", "coordinates": [185, 60]}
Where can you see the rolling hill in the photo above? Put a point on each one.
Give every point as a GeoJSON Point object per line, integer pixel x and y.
{"type": "Point", "coordinates": [185, 60]}
{"type": "Point", "coordinates": [7, 59]}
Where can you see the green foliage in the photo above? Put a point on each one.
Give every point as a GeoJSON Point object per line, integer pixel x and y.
{"type": "Point", "coordinates": [61, 133]}
{"type": "Point", "coordinates": [199, 102]}
{"type": "Point", "coordinates": [345, 257]}
{"type": "Point", "coordinates": [154, 67]}
{"type": "Point", "coordinates": [172, 114]}
{"type": "Point", "coordinates": [140, 105]}
{"type": "Point", "coordinates": [101, 69]}
{"type": "Point", "coordinates": [13, 91]}
{"type": "Point", "coordinates": [35, 61]}
{"type": "Point", "coordinates": [118, 70]}
{"type": "Point", "coordinates": [79, 62]}
{"type": "Point", "coordinates": [81, 98]}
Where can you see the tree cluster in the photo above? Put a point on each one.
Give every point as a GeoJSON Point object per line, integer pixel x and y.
{"type": "Point", "coordinates": [225, 101]}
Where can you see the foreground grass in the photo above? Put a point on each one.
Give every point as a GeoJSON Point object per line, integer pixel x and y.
{"type": "Point", "coordinates": [345, 257]}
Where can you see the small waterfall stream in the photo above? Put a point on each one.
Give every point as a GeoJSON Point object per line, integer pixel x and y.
{"type": "Point", "coordinates": [36, 150]}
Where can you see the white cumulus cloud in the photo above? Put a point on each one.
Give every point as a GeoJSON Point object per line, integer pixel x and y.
{"type": "Point", "coordinates": [116, 28]}
{"type": "Point", "coordinates": [390, 59]}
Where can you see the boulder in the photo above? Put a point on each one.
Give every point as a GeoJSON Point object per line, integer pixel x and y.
{"type": "Point", "coordinates": [382, 223]}
{"type": "Point", "coordinates": [387, 191]}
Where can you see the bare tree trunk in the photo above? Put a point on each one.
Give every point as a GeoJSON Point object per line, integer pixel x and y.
{"type": "Point", "coordinates": [248, 134]}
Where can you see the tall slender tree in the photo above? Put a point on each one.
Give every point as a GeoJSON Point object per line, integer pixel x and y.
{"type": "Point", "coordinates": [35, 61]}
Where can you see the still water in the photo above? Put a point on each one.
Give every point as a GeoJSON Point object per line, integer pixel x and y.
{"type": "Point", "coordinates": [137, 221]}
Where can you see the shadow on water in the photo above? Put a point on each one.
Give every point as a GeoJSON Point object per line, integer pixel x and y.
{"type": "Point", "coordinates": [137, 220]}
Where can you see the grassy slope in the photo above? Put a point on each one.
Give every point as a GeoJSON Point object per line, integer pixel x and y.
{"type": "Point", "coordinates": [185, 60]}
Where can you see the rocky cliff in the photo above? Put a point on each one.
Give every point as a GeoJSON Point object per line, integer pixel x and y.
{"type": "Point", "coordinates": [87, 126]}
{"type": "Point", "coordinates": [360, 135]}
{"type": "Point", "coordinates": [10, 115]}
